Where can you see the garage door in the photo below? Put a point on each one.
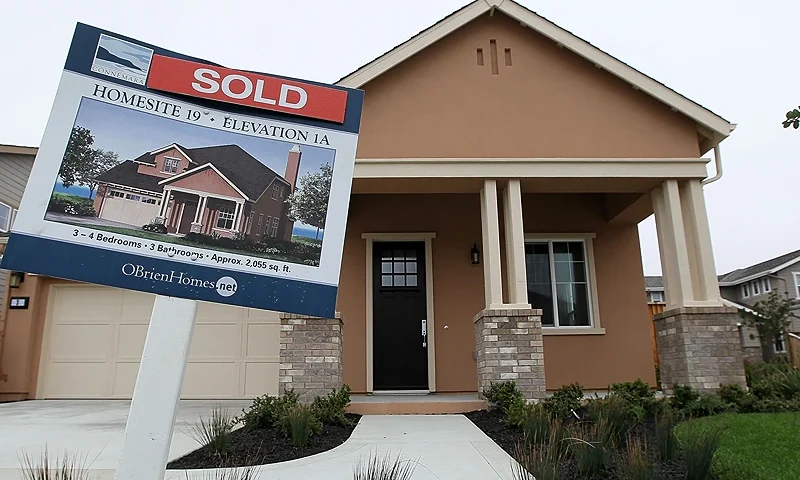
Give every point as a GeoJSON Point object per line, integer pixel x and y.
{"type": "Point", "coordinates": [95, 336]}
{"type": "Point", "coordinates": [130, 211]}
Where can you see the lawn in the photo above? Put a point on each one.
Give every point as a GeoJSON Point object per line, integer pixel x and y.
{"type": "Point", "coordinates": [182, 241]}
{"type": "Point", "coordinates": [757, 446]}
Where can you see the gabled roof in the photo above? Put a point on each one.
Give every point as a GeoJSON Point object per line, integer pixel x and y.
{"type": "Point", "coordinates": [18, 149]}
{"type": "Point", "coordinates": [149, 158]}
{"type": "Point", "coordinates": [710, 125]}
{"type": "Point", "coordinates": [766, 267]}
{"type": "Point", "coordinates": [245, 171]}
{"type": "Point", "coordinates": [242, 170]}
{"type": "Point", "coordinates": [126, 173]}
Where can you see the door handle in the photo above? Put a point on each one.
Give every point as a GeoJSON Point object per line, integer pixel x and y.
{"type": "Point", "coordinates": [424, 333]}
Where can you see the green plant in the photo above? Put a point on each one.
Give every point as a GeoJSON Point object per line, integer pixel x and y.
{"type": "Point", "coordinates": [213, 432]}
{"type": "Point", "coordinates": [543, 460]}
{"type": "Point", "coordinates": [682, 396]}
{"type": "Point", "coordinates": [71, 205]}
{"type": "Point", "coordinates": [503, 395]}
{"type": "Point", "coordinates": [266, 410]}
{"type": "Point", "coordinates": [227, 473]}
{"type": "Point", "coordinates": [564, 401]}
{"type": "Point", "coordinates": [299, 423]}
{"type": "Point", "coordinates": [330, 409]}
{"type": "Point", "coordinates": [68, 467]}
{"type": "Point", "coordinates": [634, 463]}
{"type": "Point", "coordinates": [699, 444]}
{"type": "Point", "coordinates": [155, 227]}
{"type": "Point", "coordinates": [770, 317]}
{"type": "Point", "coordinates": [617, 414]}
{"type": "Point", "coordinates": [591, 445]}
{"type": "Point", "coordinates": [788, 384]}
{"type": "Point", "coordinates": [666, 440]}
{"type": "Point", "coordinates": [383, 468]}
{"type": "Point", "coordinates": [639, 396]}
{"type": "Point", "coordinates": [706, 405]}
{"type": "Point", "coordinates": [534, 420]}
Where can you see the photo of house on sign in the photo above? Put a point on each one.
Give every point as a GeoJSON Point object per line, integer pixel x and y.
{"type": "Point", "coordinates": [133, 173]}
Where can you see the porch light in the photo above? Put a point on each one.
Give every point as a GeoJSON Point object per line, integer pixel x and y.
{"type": "Point", "coordinates": [475, 254]}
{"type": "Point", "coordinates": [15, 279]}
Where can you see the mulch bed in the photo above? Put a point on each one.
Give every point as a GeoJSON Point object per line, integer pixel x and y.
{"type": "Point", "coordinates": [491, 422]}
{"type": "Point", "coordinates": [250, 446]}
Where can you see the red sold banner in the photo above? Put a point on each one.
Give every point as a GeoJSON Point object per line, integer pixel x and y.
{"type": "Point", "coordinates": [244, 88]}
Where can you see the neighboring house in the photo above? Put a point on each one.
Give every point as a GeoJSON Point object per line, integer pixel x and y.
{"type": "Point", "coordinates": [220, 190]}
{"type": "Point", "coordinates": [482, 110]}
{"type": "Point", "coordinates": [15, 167]}
{"type": "Point", "coordinates": [743, 288]}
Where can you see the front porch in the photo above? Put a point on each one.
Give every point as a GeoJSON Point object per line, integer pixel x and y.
{"type": "Point", "coordinates": [555, 294]}
{"type": "Point", "coordinates": [184, 211]}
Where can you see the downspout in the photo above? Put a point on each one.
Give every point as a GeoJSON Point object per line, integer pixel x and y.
{"type": "Point", "coordinates": [718, 164]}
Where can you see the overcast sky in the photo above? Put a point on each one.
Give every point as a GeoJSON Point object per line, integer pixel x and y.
{"type": "Point", "coordinates": [736, 57]}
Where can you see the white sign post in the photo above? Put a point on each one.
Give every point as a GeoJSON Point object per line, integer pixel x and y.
{"type": "Point", "coordinates": [148, 434]}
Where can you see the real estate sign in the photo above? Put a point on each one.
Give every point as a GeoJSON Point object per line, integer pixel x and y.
{"type": "Point", "coordinates": [172, 175]}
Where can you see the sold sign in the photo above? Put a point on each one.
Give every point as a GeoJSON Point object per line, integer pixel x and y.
{"type": "Point", "coordinates": [245, 88]}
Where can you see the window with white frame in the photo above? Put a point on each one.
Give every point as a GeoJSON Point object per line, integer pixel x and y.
{"type": "Point", "coordinates": [780, 344]}
{"type": "Point", "coordinates": [276, 191]}
{"type": "Point", "coordinates": [274, 232]}
{"type": "Point", "coordinates": [133, 197]}
{"type": "Point", "coordinates": [745, 290]}
{"type": "Point", "coordinates": [558, 282]}
{"type": "Point", "coordinates": [796, 284]}
{"type": "Point", "coordinates": [756, 287]}
{"type": "Point", "coordinates": [5, 217]}
{"type": "Point", "coordinates": [655, 297]}
{"type": "Point", "coordinates": [260, 220]}
{"type": "Point", "coordinates": [171, 165]}
{"type": "Point", "coordinates": [250, 222]}
{"type": "Point", "coordinates": [116, 194]}
{"type": "Point", "coordinates": [225, 218]}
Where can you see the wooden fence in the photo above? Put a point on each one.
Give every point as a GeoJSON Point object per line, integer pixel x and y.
{"type": "Point", "coordinates": [655, 308]}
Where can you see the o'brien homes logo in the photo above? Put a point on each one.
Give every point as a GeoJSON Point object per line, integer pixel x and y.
{"type": "Point", "coordinates": [120, 59]}
{"type": "Point", "coordinates": [225, 286]}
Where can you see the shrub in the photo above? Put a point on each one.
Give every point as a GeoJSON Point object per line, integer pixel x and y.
{"type": "Point", "coordinates": [639, 396]}
{"type": "Point", "coordinates": [155, 227]}
{"type": "Point", "coordinates": [634, 464]}
{"type": "Point", "coordinates": [68, 467]}
{"type": "Point", "coordinates": [788, 384]}
{"type": "Point", "coordinates": [384, 468]}
{"type": "Point", "coordinates": [666, 440]}
{"type": "Point", "coordinates": [503, 395]}
{"type": "Point", "coordinates": [214, 432]}
{"type": "Point", "coordinates": [330, 409]}
{"type": "Point", "coordinates": [564, 400]}
{"type": "Point", "coordinates": [758, 371]}
{"type": "Point", "coordinates": [532, 418]}
{"type": "Point", "coordinates": [592, 445]}
{"type": "Point", "coordinates": [266, 411]}
{"type": "Point", "coordinates": [71, 205]}
{"type": "Point", "coordinates": [706, 405]}
{"type": "Point", "coordinates": [542, 460]}
{"type": "Point", "coordinates": [682, 396]}
{"type": "Point", "coordinates": [615, 413]}
{"type": "Point", "coordinates": [700, 444]}
{"type": "Point", "coordinates": [299, 423]}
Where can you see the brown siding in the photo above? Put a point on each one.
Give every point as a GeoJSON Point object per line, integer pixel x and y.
{"type": "Point", "coordinates": [550, 103]}
{"type": "Point", "coordinates": [270, 208]}
{"type": "Point", "coordinates": [623, 353]}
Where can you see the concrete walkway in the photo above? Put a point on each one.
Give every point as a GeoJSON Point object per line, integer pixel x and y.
{"type": "Point", "coordinates": [443, 447]}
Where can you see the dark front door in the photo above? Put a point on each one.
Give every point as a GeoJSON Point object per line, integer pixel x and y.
{"type": "Point", "coordinates": [399, 323]}
{"type": "Point", "coordinates": [189, 210]}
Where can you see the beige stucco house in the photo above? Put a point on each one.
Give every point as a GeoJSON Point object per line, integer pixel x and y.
{"type": "Point", "coordinates": [502, 168]}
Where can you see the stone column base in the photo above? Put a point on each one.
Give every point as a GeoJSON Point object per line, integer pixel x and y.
{"type": "Point", "coordinates": [509, 347]}
{"type": "Point", "coordinates": [699, 347]}
{"type": "Point", "coordinates": [310, 355]}
{"type": "Point", "coordinates": [160, 219]}
{"type": "Point", "coordinates": [196, 227]}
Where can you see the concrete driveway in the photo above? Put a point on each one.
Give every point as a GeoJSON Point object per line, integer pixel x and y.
{"type": "Point", "coordinates": [93, 429]}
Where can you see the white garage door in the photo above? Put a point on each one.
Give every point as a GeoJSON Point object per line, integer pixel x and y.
{"type": "Point", "coordinates": [133, 212]}
{"type": "Point", "coordinates": [95, 335]}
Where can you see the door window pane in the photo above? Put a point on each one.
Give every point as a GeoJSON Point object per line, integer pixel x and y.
{"type": "Point", "coordinates": [399, 268]}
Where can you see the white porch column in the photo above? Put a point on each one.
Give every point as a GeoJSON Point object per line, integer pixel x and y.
{"type": "Point", "coordinates": [672, 245]}
{"type": "Point", "coordinates": [515, 245]}
{"type": "Point", "coordinates": [237, 217]}
{"type": "Point", "coordinates": [698, 236]}
{"type": "Point", "coordinates": [490, 230]}
{"type": "Point", "coordinates": [164, 202]}
{"type": "Point", "coordinates": [201, 205]}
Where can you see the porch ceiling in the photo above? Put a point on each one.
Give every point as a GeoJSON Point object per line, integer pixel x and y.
{"type": "Point", "coordinates": [528, 185]}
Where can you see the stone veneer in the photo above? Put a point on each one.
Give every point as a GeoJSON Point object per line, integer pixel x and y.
{"type": "Point", "coordinates": [699, 347]}
{"type": "Point", "coordinates": [310, 355]}
{"type": "Point", "coordinates": [509, 347]}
